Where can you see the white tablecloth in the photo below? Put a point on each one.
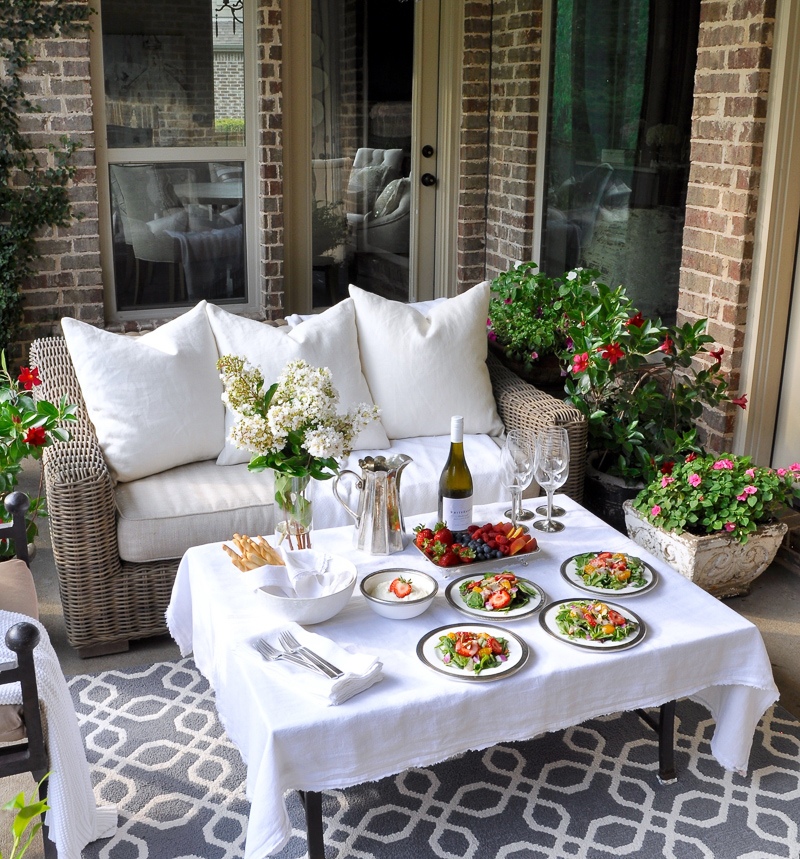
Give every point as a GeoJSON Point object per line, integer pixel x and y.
{"type": "Point", "coordinates": [695, 646]}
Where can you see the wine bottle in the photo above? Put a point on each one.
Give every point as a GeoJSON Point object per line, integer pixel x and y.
{"type": "Point", "coordinates": [455, 484]}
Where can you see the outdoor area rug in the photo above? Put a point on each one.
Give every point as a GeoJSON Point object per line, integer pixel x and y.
{"type": "Point", "coordinates": [156, 749]}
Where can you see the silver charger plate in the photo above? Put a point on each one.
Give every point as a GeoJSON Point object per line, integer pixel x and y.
{"type": "Point", "coordinates": [547, 619]}
{"type": "Point", "coordinates": [453, 596]}
{"type": "Point", "coordinates": [569, 571]}
{"type": "Point", "coordinates": [518, 653]}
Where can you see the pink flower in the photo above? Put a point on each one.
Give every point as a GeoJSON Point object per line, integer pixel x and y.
{"type": "Point", "coordinates": [695, 480]}
{"type": "Point", "coordinates": [741, 497]}
{"type": "Point", "coordinates": [534, 356]}
{"type": "Point", "coordinates": [722, 463]}
{"type": "Point", "coordinates": [782, 472]}
{"type": "Point", "coordinates": [692, 457]}
{"type": "Point", "coordinates": [492, 336]}
{"type": "Point", "coordinates": [795, 466]}
{"type": "Point", "coordinates": [665, 481]}
{"type": "Point", "coordinates": [580, 362]}
{"type": "Point", "coordinates": [729, 526]}
{"type": "Point", "coordinates": [750, 490]}
{"type": "Point", "coordinates": [751, 472]}
{"type": "Point", "coordinates": [666, 346]}
{"type": "Point", "coordinates": [655, 510]}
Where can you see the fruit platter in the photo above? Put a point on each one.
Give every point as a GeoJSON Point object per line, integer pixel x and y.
{"type": "Point", "coordinates": [501, 595]}
{"type": "Point", "coordinates": [478, 544]}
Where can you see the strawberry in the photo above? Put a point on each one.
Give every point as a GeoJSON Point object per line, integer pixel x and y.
{"type": "Point", "coordinates": [400, 587]}
{"type": "Point", "coordinates": [448, 559]}
{"type": "Point", "coordinates": [500, 599]}
{"type": "Point", "coordinates": [444, 535]}
{"type": "Point", "coordinates": [465, 554]}
{"type": "Point", "coordinates": [423, 534]}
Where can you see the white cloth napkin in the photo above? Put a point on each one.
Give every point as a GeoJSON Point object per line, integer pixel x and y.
{"type": "Point", "coordinates": [360, 670]}
{"type": "Point", "coordinates": [308, 574]}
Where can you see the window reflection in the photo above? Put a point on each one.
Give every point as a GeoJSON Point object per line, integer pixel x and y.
{"type": "Point", "coordinates": [177, 232]}
{"type": "Point", "coordinates": [618, 143]}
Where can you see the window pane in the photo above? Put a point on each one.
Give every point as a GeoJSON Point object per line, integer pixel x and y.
{"type": "Point", "coordinates": [174, 73]}
{"type": "Point", "coordinates": [178, 233]}
{"type": "Point", "coordinates": [618, 143]}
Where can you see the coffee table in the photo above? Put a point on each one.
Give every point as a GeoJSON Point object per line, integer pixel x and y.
{"type": "Point", "coordinates": [695, 646]}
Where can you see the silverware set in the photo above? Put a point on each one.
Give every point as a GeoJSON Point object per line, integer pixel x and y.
{"type": "Point", "coordinates": [294, 652]}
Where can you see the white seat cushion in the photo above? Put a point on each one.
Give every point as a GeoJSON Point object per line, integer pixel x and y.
{"type": "Point", "coordinates": [419, 482]}
{"type": "Point", "coordinates": [327, 340]}
{"type": "Point", "coordinates": [155, 401]}
{"type": "Point", "coordinates": [163, 515]}
{"type": "Point", "coordinates": [421, 370]}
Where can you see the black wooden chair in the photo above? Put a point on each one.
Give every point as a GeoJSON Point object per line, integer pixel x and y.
{"type": "Point", "coordinates": [30, 755]}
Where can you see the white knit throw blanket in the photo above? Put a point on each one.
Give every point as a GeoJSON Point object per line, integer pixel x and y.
{"type": "Point", "coordinates": [74, 818]}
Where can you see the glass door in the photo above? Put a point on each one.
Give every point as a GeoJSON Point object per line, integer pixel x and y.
{"type": "Point", "coordinates": [374, 84]}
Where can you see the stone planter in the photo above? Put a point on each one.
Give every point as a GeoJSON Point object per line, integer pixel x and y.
{"type": "Point", "coordinates": [718, 563]}
{"type": "Point", "coordinates": [604, 494]}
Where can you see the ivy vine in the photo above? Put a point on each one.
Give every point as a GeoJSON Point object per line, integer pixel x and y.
{"type": "Point", "coordinates": [33, 185]}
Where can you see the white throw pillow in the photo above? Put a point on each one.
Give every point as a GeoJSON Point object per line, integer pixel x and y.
{"type": "Point", "coordinates": [327, 340]}
{"type": "Point", "coordinates": [155, 401]}
{"type": "Point", "coordinates": [423, 369]}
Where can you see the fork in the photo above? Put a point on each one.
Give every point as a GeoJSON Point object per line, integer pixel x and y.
{"type": "Point", "coordinates": [291, 645]}
{"type": "Point", "coordinates": [271, 653]}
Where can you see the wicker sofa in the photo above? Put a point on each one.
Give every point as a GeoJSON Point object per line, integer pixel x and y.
{"type": "Point", "coordinates": [108, 601]}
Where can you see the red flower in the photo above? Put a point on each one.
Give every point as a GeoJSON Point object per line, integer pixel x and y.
{"type": "Point", "coordinates": [29, 378]}
{"type": "Point", "coordinates": [717, 354]}
{"type": "Point", "coordinates": [637, 320]}
{"type": "Point", "coordinates": [580, 362]}
{"type": "Point", "coordinates": [667, 467]}
{"type": "Point", "coordinates": [666, 346]}
{"type": "Point", "coordinates": [692, 457]}
{"type": "Point", "coordinates": [740, 401]}
{"type": "Point", "coordinates": [613, 352]}
{"type": "Point", "coordinates": [36, 436]}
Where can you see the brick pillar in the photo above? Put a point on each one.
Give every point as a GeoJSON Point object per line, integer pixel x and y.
{"type": "Point", "coordinates": [730, 105]}
{"type": "Point", "coordinates": [68, 282]}
{"type": "Point", "coordinates": [270, 115]}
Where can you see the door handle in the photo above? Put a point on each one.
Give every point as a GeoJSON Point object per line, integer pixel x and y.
{"type": "Point", "coordinates": [428, 179]}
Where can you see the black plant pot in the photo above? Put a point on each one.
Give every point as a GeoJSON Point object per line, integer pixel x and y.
{"type": "Point", "coordinates": [604, 494]}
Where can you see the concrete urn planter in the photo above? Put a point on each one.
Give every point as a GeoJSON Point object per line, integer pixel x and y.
{"type": "Point", "coordinates": [717, 563]}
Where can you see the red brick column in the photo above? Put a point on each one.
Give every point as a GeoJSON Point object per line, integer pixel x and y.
{"type": "Point", "coordinates": [730, 105]}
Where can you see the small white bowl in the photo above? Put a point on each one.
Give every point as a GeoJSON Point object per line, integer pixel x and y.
{"type": "Point", "coordinates": [310, 610]}
{"type": "Point", "coordinates": [397, 609]}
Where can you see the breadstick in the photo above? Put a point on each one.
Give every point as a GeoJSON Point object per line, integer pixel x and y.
{"type": "Point", "coordinates": [234, 556]}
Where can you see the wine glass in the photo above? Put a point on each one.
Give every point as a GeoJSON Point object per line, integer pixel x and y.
{"type": "Point", "coordinates": [516, 470]}
{"type": "Point", "coordinates": [556, 510]}
{"type": "Point", "coordinates": [551, 467]}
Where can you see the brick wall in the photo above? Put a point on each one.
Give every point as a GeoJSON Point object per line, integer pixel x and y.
{"type": "Point", "coordinates": [730, 105]}
{"type": "Point", "coordinates": [228, 84]}
{"type": "Point", "coordinates": [68, 282]}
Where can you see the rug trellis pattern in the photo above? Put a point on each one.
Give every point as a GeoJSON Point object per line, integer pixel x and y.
{"type": "Point", "coordinates": [156, 748]}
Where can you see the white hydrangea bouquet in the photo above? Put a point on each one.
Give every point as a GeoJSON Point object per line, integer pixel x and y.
{"type": "Point", "coordinates": [293, 427]}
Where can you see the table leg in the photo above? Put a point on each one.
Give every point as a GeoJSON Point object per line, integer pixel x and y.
{"type": "Point", "coordinates": [312, 801]}
{"type": "Point", "coordinates": [665, 728]}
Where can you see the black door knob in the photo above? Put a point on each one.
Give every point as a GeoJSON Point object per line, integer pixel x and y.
{"type": "Point", "coordinates": [427, 151]}
{"type": "Point", "coordinates": [428, 179]}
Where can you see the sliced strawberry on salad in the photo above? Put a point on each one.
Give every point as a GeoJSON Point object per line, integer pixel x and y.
{"type": "Point", "coordinates": [472, 651]}
{"type": "Point", "coordinates": [496, 592]}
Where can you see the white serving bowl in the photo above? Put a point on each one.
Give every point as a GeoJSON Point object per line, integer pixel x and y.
{"type": "Point", "coordinates": [309, 610]}
{"type": "Point", "coordinates": [396, 609]}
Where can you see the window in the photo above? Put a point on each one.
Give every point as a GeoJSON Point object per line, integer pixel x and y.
{"type": "Point", "coordinates": [617, 156]}
{"type": "Point", "coordinates": [177, 155]}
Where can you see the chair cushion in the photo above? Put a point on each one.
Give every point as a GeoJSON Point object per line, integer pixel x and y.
{"type": "Point", "coordinates": [161, 516]}
{"type": "Point", "coordinates": [17, 590]}
{"type": "Point", "coordinates": [422, 370]}
{"type": "Point", "coordinates": [12, 728]}
{"type": "Point", "coordinates": [156, 400]}
{"type": "Point", "coordinates": [419, 482]}
{"type": "Point", "coordinates": [327, 340]}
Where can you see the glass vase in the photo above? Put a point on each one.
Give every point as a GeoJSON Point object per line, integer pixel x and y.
{"type": "Point", "coordinates": [293, 511]}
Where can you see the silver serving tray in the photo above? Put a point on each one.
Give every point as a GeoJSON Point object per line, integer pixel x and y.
{"type": "Point", "coordinates": [506, 560]}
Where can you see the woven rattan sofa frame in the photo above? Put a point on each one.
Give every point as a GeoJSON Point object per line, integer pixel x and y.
{"type": "Point", "coordinates": [107, 601]}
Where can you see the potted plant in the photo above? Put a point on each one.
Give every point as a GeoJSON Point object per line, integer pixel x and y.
{"type": "Point", "coordinates": [637, 383]}
{"type": "Point", "coordinates": [26, 429]}
{"type": "Point", "coordinates": [713, 519]}
{"type": "Point", "coordinates": [529, 320]}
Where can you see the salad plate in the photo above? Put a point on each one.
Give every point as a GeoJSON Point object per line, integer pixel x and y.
{"type": "Point", "coordinates": [432, 653]}
{"type": "Point", "coordinates": [527, 599]}
{"type": "Point", "coordinates": [558, 617]}
{"type": "Point", "coordinates": [600, 572]}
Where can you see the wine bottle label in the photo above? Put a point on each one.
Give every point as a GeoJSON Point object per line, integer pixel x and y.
{"type": "Point", "coordinates": [457, 512]}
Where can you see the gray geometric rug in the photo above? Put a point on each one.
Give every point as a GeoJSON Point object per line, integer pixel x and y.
{"type": "Point", "coordinates": [157, 750]}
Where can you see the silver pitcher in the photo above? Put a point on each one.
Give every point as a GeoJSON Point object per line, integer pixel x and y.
{"type": "Point", "coordinates": [379, 521]}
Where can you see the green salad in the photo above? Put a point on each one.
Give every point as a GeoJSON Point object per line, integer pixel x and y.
{"type": "Point", "coordinates": [496, 592]}
{"type": "Point", "coordinates": [472, 651]}
{"type": "Point", "coordinates": [612, 571]}
{"type": "Point", "coordinates": [593, 621]}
